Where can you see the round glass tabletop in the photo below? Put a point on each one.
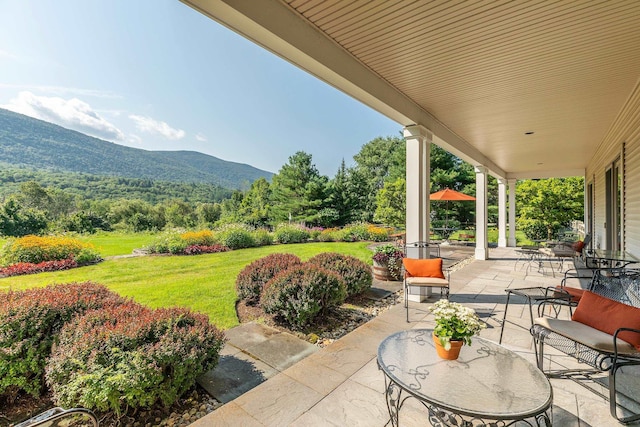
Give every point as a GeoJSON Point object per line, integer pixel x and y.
{"type": "Point", "coordinates": [487, 380]}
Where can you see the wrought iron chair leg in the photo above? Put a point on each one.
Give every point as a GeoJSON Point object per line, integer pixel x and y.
{"type": "Point", "coordinates": [612, 398]}
{"type": "Point", "coordinates": [406, 298]}
{"type": "Point", "coordinates": [538, 345]}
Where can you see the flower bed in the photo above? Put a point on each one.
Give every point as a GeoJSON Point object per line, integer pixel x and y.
{"type": "Point", "coordinates": [36, 249]}
{"type": "Point", "coordinates": [31, 268]}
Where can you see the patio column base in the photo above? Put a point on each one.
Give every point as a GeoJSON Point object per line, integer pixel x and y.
{"type": "Point", "coordinates": [422, 296]}
{"type": "Point", "coordinates": [482, 253]}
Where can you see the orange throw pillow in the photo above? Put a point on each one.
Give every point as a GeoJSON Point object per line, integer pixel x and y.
{"type": "Point", "coordinates": [575, 293]}
{"type": "Point", "coordinates": [578, 246]}
{"type": "Point", "coordinates": [607, 315]}
{"type": "Point", "coordinates": [423, 267]}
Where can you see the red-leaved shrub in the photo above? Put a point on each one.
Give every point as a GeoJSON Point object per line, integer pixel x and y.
{"type": "Point", "coordinates": [205, 249]}
{"type": "Point", "coordinates": [30, 322]}
{"type": "Point", "coordinates": [254, 276]}
{"type": "Point", "coordinates": [355, 273]}
{"type": "Point", "coordinates": [299, 294]}
{"type": "Point", "coordinates": [31, 268]}
{"type": "Point", "coordinates": [131, 356]}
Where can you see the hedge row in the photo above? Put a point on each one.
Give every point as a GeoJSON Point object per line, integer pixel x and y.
{"type": "Point", "coordinates": [239, 236]}
{"type": "Point", "coordinates": [111, 354]}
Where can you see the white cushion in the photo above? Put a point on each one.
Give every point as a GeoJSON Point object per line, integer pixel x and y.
{"type": "Point", "coordinates": [427, 281]}
{"type": "Point", "coordinates": [586, 335]}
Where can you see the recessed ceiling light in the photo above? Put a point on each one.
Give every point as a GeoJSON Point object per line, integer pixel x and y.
{"type": "Point", "coordinates": [529, 132]}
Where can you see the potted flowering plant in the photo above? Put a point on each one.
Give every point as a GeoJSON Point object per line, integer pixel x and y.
{"type": "Point", "coordinates": [387, 262]}
{"type": "Point", "coordinates": [455, 325]}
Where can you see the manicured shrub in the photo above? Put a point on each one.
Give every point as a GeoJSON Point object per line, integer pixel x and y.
{"type": "Point", "coordinates": [254, 276]}
{"type": "Point", "coordinates": [199, 238]}
{"type": "Point", "coordinates": [87, 256]}
{"type": "Point", "coordinates": [300, 294]}
{"type": "Point", "coordinates": [286, 233]}
{"type": "Point", "coordinates": [31, 268]}
{"type": "Point", "coordinates": [355, 273]}
{"type": "Point", "coordinates": [378, 234]}
{"type": "Point", "coordinates": [168, 243]}
{"type": "Point", "coordinates": [201, 249]}
{"type": "Point", "coordinates": [357, 232]}
{"type": "Point", "coordinates": [30, 322]}
{"type": "Point", "coordinates": [131, 356]}
{"type": "Point", "coordinates": [327, 235]}
{"type": "Point", "coordinates": [262, 237]}
{"type": "Point", "coordinates": [236, 236]}
{"type": "Point", "coordinates": [314, 232]}
{"type": "Point", "coordinates": [36, 249]}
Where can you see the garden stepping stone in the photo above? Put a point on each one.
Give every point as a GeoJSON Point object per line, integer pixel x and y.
{"type": "Point", "coordinates": [252, 354]}
{"type": "Point", "coordinates": [282, 350]}
{"type": "Point", "coordinates": [235, 374]}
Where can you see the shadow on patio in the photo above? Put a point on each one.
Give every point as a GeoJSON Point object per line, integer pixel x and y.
{"type": "Point", "coordinates": [341, 385]}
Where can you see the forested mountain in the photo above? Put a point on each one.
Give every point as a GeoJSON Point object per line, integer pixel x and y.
{"type": "Point", "coordinates": [100, 187]}
{"type": "Point", "coordinates": [26, 141]}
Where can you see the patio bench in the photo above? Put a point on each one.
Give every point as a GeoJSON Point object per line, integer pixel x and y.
{"type": "Point", "coordinates": [603, 333]}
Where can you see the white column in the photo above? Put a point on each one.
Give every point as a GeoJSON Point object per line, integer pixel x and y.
{"type": "Point", "coordinates": [482, 246]}
{"type": "Point", "coordinates": [512, 212]}
{"type": "Point", "coordinates": [418, 183]}
{"type": "Point", "coordinates": [418, 188]}
{"type": "Point", "coordinates": [502, 212]}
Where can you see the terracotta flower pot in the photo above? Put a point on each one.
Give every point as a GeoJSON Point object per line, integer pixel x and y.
{"type": "Point", "coordinates": [451, 354]}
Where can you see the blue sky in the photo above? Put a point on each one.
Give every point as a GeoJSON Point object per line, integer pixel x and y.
{"type": "Point", "coordinates": [158, 75]}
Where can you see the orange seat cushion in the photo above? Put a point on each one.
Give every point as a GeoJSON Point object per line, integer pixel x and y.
{"type": "Point", "coordinates": [578, 246]}
{"type": "Point", "coordinates": [575, 293]}
{"type": "Point", "coordinates": [423, 267]}
{"type": "Point", "coordinates": [607, 315]}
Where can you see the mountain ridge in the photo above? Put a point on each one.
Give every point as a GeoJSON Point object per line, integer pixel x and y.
{"type": "Point", "coordinates": [26, 141]}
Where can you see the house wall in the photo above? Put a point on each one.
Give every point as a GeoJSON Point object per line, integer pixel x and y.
{"type": "Point", "coordinates": [623, 141]}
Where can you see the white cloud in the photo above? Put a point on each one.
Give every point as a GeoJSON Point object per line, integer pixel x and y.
{"type": "Point", "coordinates": [61, 90]}
{"type": "Point", "coordinates": [147, 124]}
{"type": "Point", "coordinates": [4, 54]}
{"type": "Point", "coordinates": [72, 113]}
{"type": "Point", "coordinates": [134, 139]}
{"type": "Point", "coordinates": [201, 137]}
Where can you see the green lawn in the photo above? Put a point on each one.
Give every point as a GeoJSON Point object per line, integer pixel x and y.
{"type": "Point", "coordinates": [203, 283]}
{"type": "Point", "coordinates": [110, 244]}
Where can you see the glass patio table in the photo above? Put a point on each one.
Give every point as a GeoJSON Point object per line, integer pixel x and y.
{"type": "Point", "coordinates": [604, 258]}
{"type": "Point", "coordinates": [488, 385]}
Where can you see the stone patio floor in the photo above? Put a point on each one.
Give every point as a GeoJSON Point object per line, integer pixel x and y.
{"type": "Point", "coordinates": [340, 385]}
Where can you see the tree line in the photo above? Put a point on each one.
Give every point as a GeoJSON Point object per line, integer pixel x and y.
{"type": "Point", "coordinates": [372, 189]}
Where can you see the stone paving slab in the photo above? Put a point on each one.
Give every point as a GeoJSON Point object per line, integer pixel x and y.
{"type": "Point", "coordinates": [282, 350]}
{"type": "Point", "coordinates": [235, 375]}
{"type": "Point", "coordinates": [252, 354]}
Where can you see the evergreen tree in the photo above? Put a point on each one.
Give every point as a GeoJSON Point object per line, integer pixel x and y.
{"type": "Point", "coordinates": [298, 191]}
{"type": "Point", "coordinates": [254, 208]}
{"type": "Point", "coordinates": [340, 199]}
{"type": "Point", "coordinates": [378, 161]}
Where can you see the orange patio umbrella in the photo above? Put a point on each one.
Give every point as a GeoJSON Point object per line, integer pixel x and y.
{"type": "Point", "coordinates": [448, 194]}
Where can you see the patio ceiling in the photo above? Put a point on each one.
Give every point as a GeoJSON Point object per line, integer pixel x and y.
{"type": "Point", "coordinates": [479, 74]}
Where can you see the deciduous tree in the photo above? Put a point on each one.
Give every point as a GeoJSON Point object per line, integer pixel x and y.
{"type": "Point", "coordinates": [547, 205]}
